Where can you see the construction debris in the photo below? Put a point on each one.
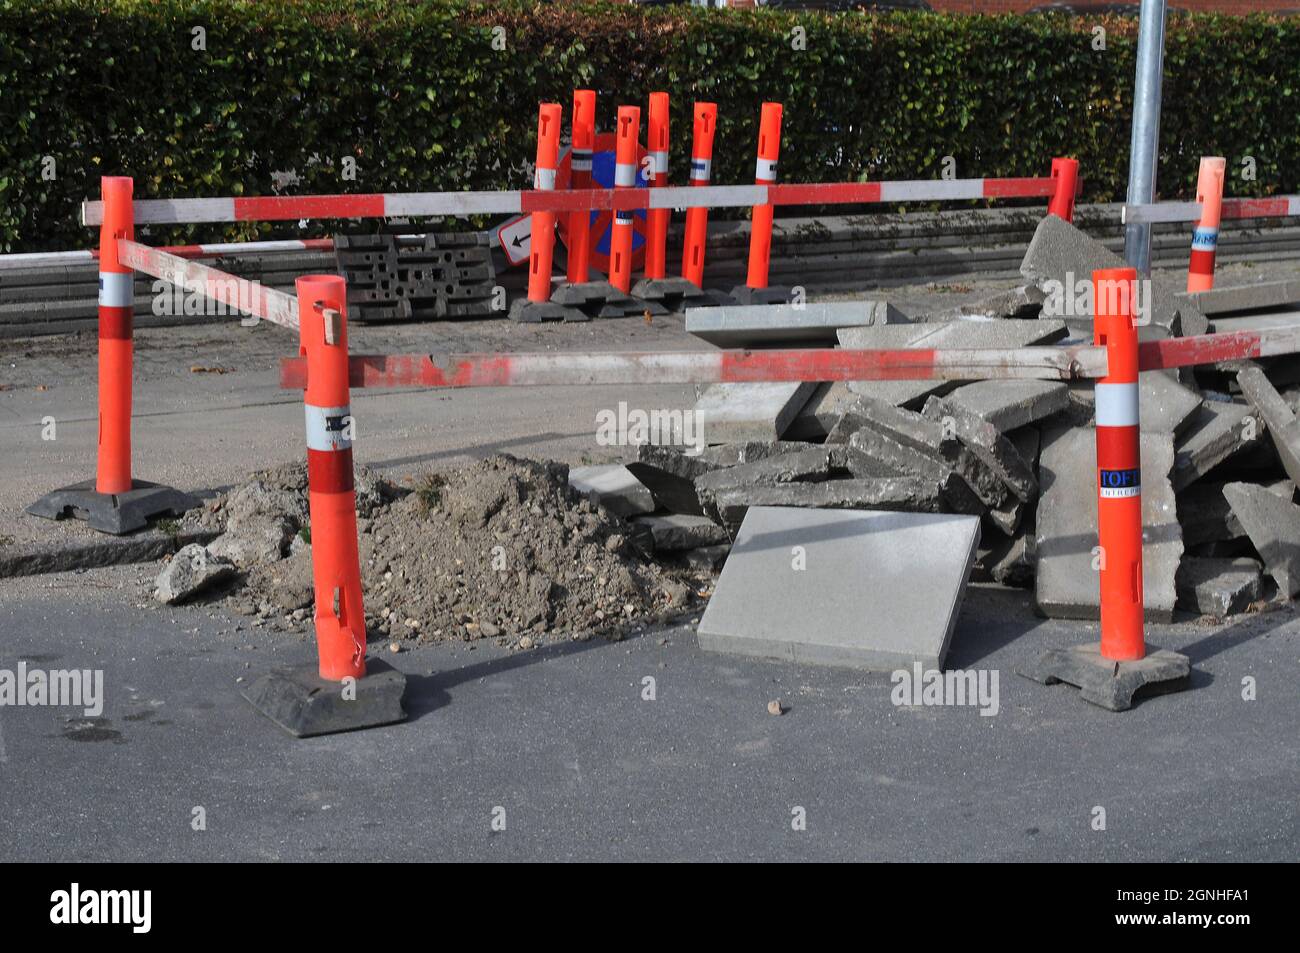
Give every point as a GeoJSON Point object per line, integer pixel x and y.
{"type": "Point", "coordinates": [806, 324]}
{"type": "Point", "coordinates": [192, 570]}
{"type": "Point", "coordinates": [1217, 588]}
{"type": "Point", "coordinates": [1273, 525]}
{"type": "Point", "coordinates": [733, 413]}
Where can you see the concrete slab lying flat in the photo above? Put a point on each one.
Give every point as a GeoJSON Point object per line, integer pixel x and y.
{"type": "Point", "coordinates": [1011, 404]}
{"type": "Point", "coordinates": [1216, 431]}
{"type": "Point", "coordinates": [952, 334]}
{"type": "Point", "coordinates": [614, 487]}
{"type": "Point", "coordinates": [1273, 525]}
{"type": "Point", "coordinates": [1217, 588]}
{"type": "Point", "coordinates": [1067, 584]}
{"type": "Point", "coordinates": [870, 590]}
{"type": "Point", "coordinates": [816, 323]}
{"type": "Point", "coordinates": [1265, 294]}
{"type": "Point", "coordinates": [1164, 405]}
{"type": "Point", "coordinates": [823, 411]}
{"type": "Point", "coordinates": [734, 413]}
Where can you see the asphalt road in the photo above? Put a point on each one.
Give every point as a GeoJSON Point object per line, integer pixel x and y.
{"type": "Point", "coordinates": [562, 741]}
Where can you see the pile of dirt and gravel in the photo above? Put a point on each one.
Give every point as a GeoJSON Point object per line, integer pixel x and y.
{"type": "Point", "coordinates": [502, 548]}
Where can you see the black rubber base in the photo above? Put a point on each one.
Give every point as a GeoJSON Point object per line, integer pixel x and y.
{"type": "Point", "coordinates": [675, 294]}
{"type": "Point", "coordinates": [114, 513]}
{"type": "Point", "coordinates": [600, 299]}
{"type": "Point", "coordinates": [743, 294]}
{"type": "Point", "coordinates": [304, 704]}
{"type": "Point", "coordinates": [1108, 683]}
{"type": "Point", "coordinates": [532, 312]}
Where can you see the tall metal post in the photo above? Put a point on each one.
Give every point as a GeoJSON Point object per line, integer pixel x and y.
{"type": "Point", "coordinates": [1144, 147]}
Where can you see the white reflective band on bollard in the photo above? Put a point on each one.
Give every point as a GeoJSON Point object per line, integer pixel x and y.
{"type": "Point", "coordinates": [544, 179]}
{"type": "Point", "coordinates": [624, 175]}
{"type": "Point", "coordinates": [1205, 239]}
{"type": "Point", "coordinates": [327, 428]}
{"type": "Point", "coordinates": [659, 163]}
{"type": "Point", "coordinates": [116, 290]}
{"type": "Point", "coordinates": [765, 170]}
{"type": "Point", "coordinates": [701, 169]}
{"type": "Point", "coordinates": [1117, 405]}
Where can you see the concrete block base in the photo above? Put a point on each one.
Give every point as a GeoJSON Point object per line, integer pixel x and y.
{"type": "Point", "coordinates": [304, 704]}
{"type": "Point", "coordinates": [1106, 683]}
{"type": "Point", "coordinates": [113, 513]}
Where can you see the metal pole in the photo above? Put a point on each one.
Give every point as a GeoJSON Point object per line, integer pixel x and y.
{"type": "Point", "coordinates": [1144, 147]}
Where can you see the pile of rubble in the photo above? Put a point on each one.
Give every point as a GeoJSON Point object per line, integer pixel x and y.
{"type": "Point", "coordinates": [1220, 445]}
{"type": "Point", "coordinates": [501, 549]}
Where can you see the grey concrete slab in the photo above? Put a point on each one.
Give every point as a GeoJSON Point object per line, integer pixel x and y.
{"type": "Point", "coordinates": [614, 487]}
{"type": "Point", "coordinates": [808, 323]}
{"type": "Point", "coordinates": [1022, 302]}
{"type": "Point", "coordinates": [1233, 323]}
{"type": "Point", "coordinates": [678, 531]}
{"type": "Point", "coordinates": [823, 411]}
{"type": "Point", "coordinates": [1273, 525]}
{"type": "Point", "coordinates": [1066, 525]}
{"type": "Point", "coordinates": [1216, 431]}
{"type": "Point", "coordinates": [1217, 588]}
{"type": "Point", "coordinates": [1247, 297]}
{"type": "Point", "coordinates": [1164, 404]}
{"type": "Point", "coordinates": [729, 412]}
{"type": "Point", "coordinates": [1279, 418]}
{"type": "Point", "coordinates": [1011, 404]}
{"type": "Point", "coordinates": [910, 493]}
{"type": "Point", "coordinates": [840, 588]}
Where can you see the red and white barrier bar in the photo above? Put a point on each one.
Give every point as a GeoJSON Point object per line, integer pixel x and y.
{"type": "Point", "coordinates": [1279, 206]}
{"type": "Point", "coordinates": [247, 296]}
{"type": "Point", "coordinates": [49, 258]}
{"type": "Point", "coordinates": [706, 367]}
{"type": "Point", "coordinates": [282, 208]}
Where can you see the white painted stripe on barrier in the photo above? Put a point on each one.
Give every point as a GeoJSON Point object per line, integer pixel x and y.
{"type": "Point", "coordinates": [1293, 204]}
{"type": "Point", "coordinates": [452, 203]}
{"type": "Point", "coordinates": [327, 428]}
{"type": "Point", "coordinates": [708, 196]}
{"type": "Point", "coordinates": [544, 180]}
{"type": "Point", "coordinates": [116, 290]}
{"type": "Point", "coordinates": [1160, 213]}
{"type": "Point", "coordinates": [765, 170]}
{"type": "Point", "coordinates": [40, 258]}
{"type": "Point", "coordinates": [1117, 405]}
{"type": "Point", "coordinates": [931, 190]}
{"type": "Point", "coordinates": [167, 211]}
{"type": "Point", "coordinates": [624, 175]}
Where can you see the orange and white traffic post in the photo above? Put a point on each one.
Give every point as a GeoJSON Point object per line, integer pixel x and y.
{"type": "Point", "coordinates": [760, 235]}
{"type": "Point", "coordinates": [542, 244]}
{"type": "Point", "coordinates": [656, 244]}
{"type": "Point", "coordinates": [331, 492]}
{"type": "Point", "coordinates": [625, 156]}
{"type": "Point", "coordinates": [1119, 466]}
{"type": "Point", "coordinates": [697, 219]}
{"type": "Point", "coordinates": [1205, 239]}
{"type": "Point", "coordinates": [1066, 174]}
{"type": "Point", "coordinates": [583, 144]}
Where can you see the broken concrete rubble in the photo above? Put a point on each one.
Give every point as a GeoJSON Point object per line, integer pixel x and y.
{"type": "Point", "coordinates": [1217, 587]}
{"type": "Point", "coordinates": [191, 571]}
{"type": "Point", "coordinates": [614, 487]}
{"type": "Point", "coordinates": [804, 324]}
{"type": "Point", "coordinates": [1010, 404]}
{"type": "Point", "coordinates": [1216, 431]}
{"type": "Point", "coordinates": [1278, 417]}
{"type": "Point", "coordinates": [675, 531]}
{"type": "Point", "coordinates": [1273, 525]}
{"type": "Point", "coordinates": [731, 413]}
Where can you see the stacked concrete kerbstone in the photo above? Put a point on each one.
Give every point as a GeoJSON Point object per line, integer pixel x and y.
{"type": "Point", "coordinates": [1220, 443]}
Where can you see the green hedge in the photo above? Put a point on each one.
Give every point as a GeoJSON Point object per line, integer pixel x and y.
{"type": "Point", "coordinates": [417, 94]}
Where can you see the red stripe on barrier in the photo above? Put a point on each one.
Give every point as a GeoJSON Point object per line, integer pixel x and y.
{"type": "Point", "coordinates": [1255, 208]}
{"type": "Point", "coordinates": [329, 471]}
{"type": "Point", "coordinates": [116, 324]}
{"type": "Point", "coordinates": [281, 207]}
{"type": "Point", "coordinates": [1199, 349]}
{"type": "Point", "coordinates": [827, 364]}
{"type": "Point", "coordinates": [1019, 188]}
{"type": "Point", "coordinates": [830, 193]}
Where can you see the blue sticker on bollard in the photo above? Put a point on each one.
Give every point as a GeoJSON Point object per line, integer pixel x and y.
{"type": "Point", "coordinates": [1119, 484]}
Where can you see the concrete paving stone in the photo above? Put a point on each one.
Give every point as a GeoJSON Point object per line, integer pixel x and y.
{"type": "Point", "coordinates": [812, 463]}
{"type": "Point", "coordinates": [859, 463]}
{"type": "Point", "coordinates": [1278, 417]}
{"type": "Point", "coordinates": [986, 444]}
{"type": "Point", "coordinates": [810, 323]}
{"type": "Point", "coordinates": [1164, 404]}
{"type": "Point", "coordinates": [1205, 515]}
{"type": "Point", "coordinates": [1011, 404]}
{"type": "Point", "coordinates": [614, 487]}
{"type": "Point", "coordinates": [678, 531]}
{"type": "Point", "coordinates": [1008, 560]}
{"type": "Point", "coordinates": [1273, 525]}
{"type": "Point", "coordinates": [1265, 294]}
{"type": "Point", "coordinates": [749, 451]}
{"type": "Point", "coordinates": [841, 588]}
{"type": "Point", "coordinates": [730, 412]}
{"type": "Point", "coordinates": [1269, 321]}
{"type": "Point", "coordinates": [825, 407]}
{"type": "Point", "coordinates": [1021, 303]}
{"type": "Point", "coordinates": [669, 475]}
{"type": "Point", "coordinates": [707, 558]}
{"type": "Point", "coordinates": [1216, 431]}
{"type": "Point", "coordinates": [952, 334]}
{"type": "Point", "coordinates": [1217, 587]}
{"type": "Point", "coordinates": [1027, 441]}
{"type": "Point", "coordinates": [911, 493]}
{"type": "Point", "coordinates": [1066, 525]}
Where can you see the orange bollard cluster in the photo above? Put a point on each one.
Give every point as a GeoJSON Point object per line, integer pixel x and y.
{"type": "Point", "coordinates": [1066, 174]}
{"type": "Point", "coordinates": [625, 153]}
{"type": "Point", "coordinates": [1205, 239]}
{"type": "Point", "coordinates": [760, 236]}
{"type": "Point", "coordinates": [542, 244]}
{"type": "Point", "coordinates": [1119, 467]}
{"type": "Point", "coordinates": [583, 145]}
{"type": "Point", "coordinates": [116, 348]}
{"type": "Point", "coordinates": [697, 219]}
{"type": "Point", "coordinates": [331, 493]}
{"type": "Point", "coordinates": [656, 243]}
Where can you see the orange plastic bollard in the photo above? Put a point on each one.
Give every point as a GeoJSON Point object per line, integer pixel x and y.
{"type": "Point", "coordinates": [1119, 466]}
{"type": "Point", "coordinates": [331, 494]}
{"type": "Point", "coordinates": [1205, 239]}
{"type": "Point", "coordinates": [116, 348]}
{"type": "Point", "coordinates": [583, 145]}
{"type": "Point", "coordinates": [542, 245]}
{"type": "Point", "coordinates": [656, 243]}
{"type": "Point", "coordinates": [760, 235]}
{"type": "Point", "coordinates": [1066, 174]}
{"type": "Point", "coordinates": [625, 155]}
{"type": "Point", "coordinates": [697, 219]}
